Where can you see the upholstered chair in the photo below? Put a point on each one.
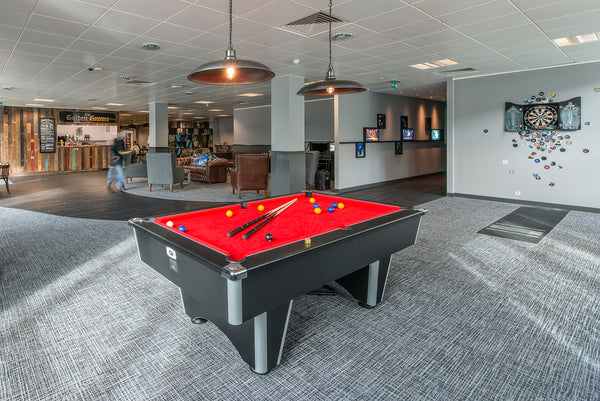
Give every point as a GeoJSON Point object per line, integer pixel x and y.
{"type": "Point", "coordinates": [162, 170]}
{"type": "Point", "coordinates": [251, 172]}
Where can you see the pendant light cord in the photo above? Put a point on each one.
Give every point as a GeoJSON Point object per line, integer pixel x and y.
{"type": "Point", "coordinates": [230, 24]}
{"type": "Point", "coordinates": [330, 66]}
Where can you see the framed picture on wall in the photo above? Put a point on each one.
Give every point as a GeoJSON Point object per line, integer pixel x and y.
{"type": "Point", "coordinates": [403, 122]}
{"type": "Point", "coordinates": [381, 121]}
{"type": "Point", "coordinates": [427, 126]}
{"type": "Point", "coordinates": [398, 147]}
{"type": "Point", "coordinates": [359, 150]}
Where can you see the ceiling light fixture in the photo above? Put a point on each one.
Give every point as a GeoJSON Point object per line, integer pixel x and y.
{"type": "Point", "coordinates": [43, 100]}
{"type": "Point", "coordinates": [577, 39]}
{"type": "Point", "coordinates": [231, 70]}
{"type": "Point", "coordinates": [330, 85]}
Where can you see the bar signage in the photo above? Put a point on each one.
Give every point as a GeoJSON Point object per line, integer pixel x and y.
{"type": "Point", "coordinates": [85, 117]}
{"type": "Point", "coordinates": [47, 134]}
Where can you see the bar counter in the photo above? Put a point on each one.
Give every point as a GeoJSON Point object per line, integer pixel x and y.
{"type": "Point", "coordinates": [82, 157]}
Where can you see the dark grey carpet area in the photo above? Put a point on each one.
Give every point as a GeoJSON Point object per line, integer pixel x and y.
{"type": "Point", "coordinates": [465, 317]}
{"type": "Point", "coordinates": [529, 224]}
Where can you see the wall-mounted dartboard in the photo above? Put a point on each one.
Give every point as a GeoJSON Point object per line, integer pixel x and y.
{"type": "Point", "coordinates": [540, 116]}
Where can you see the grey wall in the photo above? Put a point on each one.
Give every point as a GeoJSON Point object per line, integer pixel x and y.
{"type": "Point", "coordinates": [353, 112]}
{"type": "Point", "coordinates": [318, 120]}
{"type": "Point", "coordinates": [482, 161]}
{"type": "Point", "coordinates": [223, 131]}
{"type": "Point", "coordinates": [252, 126]}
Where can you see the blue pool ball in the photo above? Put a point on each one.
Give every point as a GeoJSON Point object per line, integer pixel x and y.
{"type": "Point", "coordinates": [315, 205]}
{"type": "Point", "coordinates": [330, 209]}
{"type": "Point", "coordinates": [182, 229]}
{"type": "Point", "coordinates": [334, 204]}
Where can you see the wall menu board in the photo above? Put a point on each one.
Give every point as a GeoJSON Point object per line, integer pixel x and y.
{"type": "Point", "coordinates": [47, 127]}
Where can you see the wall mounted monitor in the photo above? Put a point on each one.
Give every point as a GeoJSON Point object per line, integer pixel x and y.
{"type": "Point", "coordinates": [371, 135]}
{"type": "Point", "coordinates": [408, 134]}
{"type": "Point", "coordinates": [436, 135]}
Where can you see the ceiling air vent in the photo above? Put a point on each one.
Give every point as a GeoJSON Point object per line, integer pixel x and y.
{"type": "Point", "coordinates": [312, 24]}
{"type": "Point", "coordinates": [456, 72]}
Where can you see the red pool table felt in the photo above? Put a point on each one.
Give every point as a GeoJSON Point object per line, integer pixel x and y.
{"type": "Point", "coordinates": [298, 222]}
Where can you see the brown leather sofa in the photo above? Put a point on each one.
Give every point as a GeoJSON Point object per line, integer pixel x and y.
{"type": "Point", "coordinates": [214, 171]}
{"type": "Point", "coordinates": [251, 173]}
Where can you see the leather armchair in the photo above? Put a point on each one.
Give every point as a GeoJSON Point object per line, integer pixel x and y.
{"type": "Point", "coordinates": [251, 172]}
{"type": "Point", "coordinates": [162, 170]}
{"type": "Point", "coordinates": [312, 163]}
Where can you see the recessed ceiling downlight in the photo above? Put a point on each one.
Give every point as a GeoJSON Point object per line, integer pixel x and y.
{"type": "Point", "coordinates": [150, 46]}
{"type": "Point", "coordinates": [338, 37]}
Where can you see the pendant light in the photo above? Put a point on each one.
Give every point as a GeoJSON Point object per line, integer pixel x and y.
{"type": "Point", "coordinates": [330, 85]}
{"type": "Point", "coordinates": [231, 70]}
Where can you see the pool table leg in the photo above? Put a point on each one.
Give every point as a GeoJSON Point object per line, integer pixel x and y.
{"type": "Point", "coordinates": [258, 340]}
{"type": "Point", "coordinates": [367, 285]}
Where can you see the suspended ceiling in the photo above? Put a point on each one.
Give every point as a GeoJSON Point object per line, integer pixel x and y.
{"type": "Point", "coordinates": [87, 54]}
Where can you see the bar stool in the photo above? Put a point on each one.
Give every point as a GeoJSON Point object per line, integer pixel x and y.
{"type": "Point", "coordinates": [4, 171]}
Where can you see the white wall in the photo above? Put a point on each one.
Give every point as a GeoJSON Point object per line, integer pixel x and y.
{"type": "Point", "coordinates": [252, 126]}
{"type": "Point", "coordinates": [96, 132]}
{"type": "Point", "coordinates": [353, 112]}
{"type": "Point", "coordinates": [478, 167]}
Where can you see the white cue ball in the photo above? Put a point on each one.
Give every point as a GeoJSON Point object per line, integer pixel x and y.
{"type": "Point", "coordinates": [170, 223]}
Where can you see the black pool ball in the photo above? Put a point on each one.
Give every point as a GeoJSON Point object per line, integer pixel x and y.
{"type": "Point", "coordinates": [269, 237]}
{"type": "Point", "coordinates": [244, 205]}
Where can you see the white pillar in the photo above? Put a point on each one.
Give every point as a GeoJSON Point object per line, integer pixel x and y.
{"type": "Point", "coordinates": [287, 135]}
{"type": "Point", "coordinates": [158, 134]}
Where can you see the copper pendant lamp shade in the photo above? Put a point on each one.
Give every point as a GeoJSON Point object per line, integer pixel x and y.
{"type": "Point", "coordinates": [330, 85]}
{"type": "Point", "coordinates": [231, 70]}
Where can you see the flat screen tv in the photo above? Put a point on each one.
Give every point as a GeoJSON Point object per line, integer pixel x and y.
{"type": "Point", "coordinates": [408, 134]}
{"type": "Point", "coordinates": [436, 135]}
{"type": "Point", "coordinates": [371, 135]}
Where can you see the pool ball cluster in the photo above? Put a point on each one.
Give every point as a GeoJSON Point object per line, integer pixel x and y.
{"type": "Point", "coordinates": [180, 228]}
{"type": "Point", "coordinates": [330, 209]}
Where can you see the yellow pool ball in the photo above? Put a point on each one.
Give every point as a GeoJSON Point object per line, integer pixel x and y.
{"type": "Point", "coordinates": [340, 205]}
{"type": "Point", "coordinates": [317, 210]}
{"type": "Point", "coordinates": [261, 208]}
{"type": "Point", "coordinates": [312, 200]}
{"type": "Point", "coordinates": [229, 213]}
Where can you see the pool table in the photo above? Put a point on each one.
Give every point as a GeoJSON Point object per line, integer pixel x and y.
{"type": "Point", "coordinates": [246, 286]}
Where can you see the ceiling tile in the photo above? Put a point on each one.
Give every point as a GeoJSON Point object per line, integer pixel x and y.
{"type": "Point", "coordinates": [558, 10]}
{"type": "Point", "coordinates": [482, 12]}
{"type": "Point", "coordinates": [123, 22]}
{"type": "Point", "coordinates": [30, 48]}
{"type": "Point", "coordinates": [15, 13]}
{"type": "Point", "coordinates": [195, 17]}
{"type": "Point", "coordinates": [108, 36]}
{"type": "Point", "coordinates": [447, 35]}
{"type": "Point", "coordinates": [393, 19]}
{"type": "Point", "coordinates": [93, 47]}
{"type": "Point", "coordinates": [357, 10]}
{"type": "Point", "coordinates": [160, 10]}
{"type": "Point", "coordinates": [417, 29]}
{"type": "Point", "coordinates": [436, 8]}
{"type": "Point", "coordinates": [46, 39]}
{"type": "Point", "coordinates": [70, 10]}
{"type": "Point", "coordinates": [56, 26]}
{"type": "Point", "coordinates": [171, 33]}
{"type": "Point", "coordinates": [279, 12]}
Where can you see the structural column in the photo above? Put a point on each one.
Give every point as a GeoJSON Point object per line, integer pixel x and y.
{"type": "Point", "coordinates": [158, 135]}
{"type": "Point", "coordinates": [287, 136]}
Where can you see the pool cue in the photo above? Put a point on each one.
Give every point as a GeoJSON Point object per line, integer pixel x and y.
{"type": "Point", "coordinates": [258, 227]}
{"type": "Point", "coordinates": [256, 220]}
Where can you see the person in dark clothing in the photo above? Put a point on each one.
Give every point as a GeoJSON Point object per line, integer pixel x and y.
{"type": "Point", "coordinates": [116, 162]}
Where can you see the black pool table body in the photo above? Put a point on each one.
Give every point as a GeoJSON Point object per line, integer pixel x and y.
{"type": "Point", "coordinates": [250, 300]}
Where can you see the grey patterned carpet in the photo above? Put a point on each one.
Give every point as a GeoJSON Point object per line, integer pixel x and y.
{"type": "Point", "coordinates": [465, 317]}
